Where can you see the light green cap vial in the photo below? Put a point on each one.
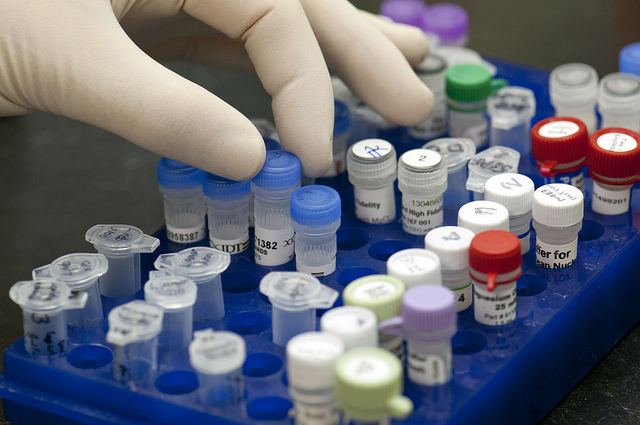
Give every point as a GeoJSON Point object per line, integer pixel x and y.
{"type": "Point", "coordinates": [369, 385]}
{"type": "Point", "coordinates": [380, 293]}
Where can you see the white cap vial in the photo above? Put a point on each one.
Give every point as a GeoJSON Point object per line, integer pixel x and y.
{"type": "Point", "coordinates": [315, 217]}
{"type": "Point", "coordinates": [415, 266]}
{"type": "Point", "coordinates": [557, 210]}
{"type": "Point", "coordinates": [371, 165]}
{"type": "Point", "coordinates": [122, 245]}
{"type": "Point", "coordinates": [573, 89]}
{"type": "Point", "coordinates": [488, 163]}
{"type": "Point", "coordinates": [480, 216]}
{"type": "Point", "coordinates": [422, 179]}
{"type": "Point", "coordinates": [511, 110]}
{"type": "Point", "coordinates": [357, 326]}
{"type": "Point", "coordinates": [432, 71]}
{"type": "Point", "coordinates": [515, 192]}
{"type": "Point", "coordinates": [619, 101]}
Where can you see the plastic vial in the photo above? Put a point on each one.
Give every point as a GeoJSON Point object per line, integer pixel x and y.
{"type": "Point", "coordinates": [629, 59]}
{"type": "Point", "coordinates": [495, 265]}
{"type": "Point", "coordinates": [455, 55]}
{"type": "Point", "coordinates": [176, 295]}
{"type": "Point", "coordinates": [457, 152]}
{"type": "Point", "coordinates": [122, 245]}
{"type": "Point", "coordinates": [451, 244]}
{"type": "Point", "coordinates": [203, 265]}
{"type": "Point", "coordinates": [311, 359]}
{"type": "Point", "coordinates": [558, 210]}
{"type": "Point", "coordinates": [273, 187]}
{"type": "Point", "coordinates": [341, 121]}
{"type": "Point", "coordinates": [133, 330]}
{"type": "Point", "coordinates": [448, 21]}
{"type": "Point", "coordinates": [488, 163]}
{"type": "Point", "coordinates": [371, 164]}
{"type": "Point", "coordinates": [480, 216]}
{"type": "Point", "coordinates": [428, 322]}
{"type": "Point", "coordinates": [381, 294]}
{"type": "Point", "coordinates": [369, 386]}
{"type": "Point", "coordinates": [415, 266]}
{"type": "Point", "coordinates": [422, 179]}
{"type": "Point", "coordinates": [184, 209]}
{"type": "Point", "coordinates": [43, 307]}
{"type": "Point", "coordinates": [228, 213]}
{"type": "Point", "coordinates": [619, 101]}
{"type": "Point", "coordinates": [431, 72]}
{"type": "Point", "coordinates": [357, 326]}
{"type": "Point", "coordinates": [515, 193]}
{"type": "Point", "coordinates": [403, 11]}
{"type": "Point", "coordinates": [217, 358]}
{"type": "Point", "coordinates": [315, 217]}
{"type": "Point", "coordinates": [573, 89]}
{"type": "Point", "coordinates": [559, 146]}
{"type": "Point", "coordinates": [613, 160]}
{"type": "Point", "coordinates": [294, 298]}
{"type": "Point", "coordinates": [511, 110]}
{"type": "Point", "coordinates": [79, 272]}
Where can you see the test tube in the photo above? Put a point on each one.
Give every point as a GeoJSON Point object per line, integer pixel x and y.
{"type": "Point", "coordinates": [619, 101]}
{"type": "Point", "coordinates": [311, 359]}
{"type": "Point", "coordinates": [573, 89]}
{"type": "Point", "coordinates": [415, 266]}
{"type": "Point", "coordinates": [457, 152]}
{"type": "Point", "coordinates": [203, 265]}
{"type": "Point", "coordinates": [557, 218]}
{"type": "Point", "coordinates": [613, 160]}
{"type": "Point", "coordinates": [559, 146]}
{"type": "Point", "coordinates": [122, 245]}
{"type": "Point", "coordinates": [176, 296]}
{"type": "Point", "coordinates": [184, 209]}
{"type": "Point", "coordinates": [428, 322]}
{"type": "Point", "coordinates": [273, 187]}
{"type": "Point", "coordinates": [79, 272]}
{"type": "Point", "coordinates": [422, 179]}
{"type": "Point", "coordinates": [515, 193]}
{"type": "Point", "coordinates": [448, 21]}
{"type": "Point", "coordinates": [369, 386]}
{"type": "Point", "coordinates": [294, 297]}
{"type": "Point", "coordinates": [43, 307]}
{"type": "Point", "coordinates": [381, 294]}
{"type": "Point", "coordinates": [495, 265]}
{"type": "Point", "coordinates": [133, 331]}
{"type": "Point", "coordinates": [511, 110]}
{"type": "Point", "coordinates": [371, 165]}
{"type": "Point", "coordinates": [341, 121]}
{"type": "Point", "coordinates": [217, 358]}
{"type": "Point", "coordinates": [488, 163]}
{"type": "Point", "coordinates": [315, 217]}
{"type": "Point", "coordinates": [228, 213]}
{"type": "Point", "coordinates": [357, 326]}
{"type": "Point", "coordinates": [431, 72]}
{"type": "Point", "coordinates": [480, 216]}
{"type": "Point", "coordinates": [451, 244]}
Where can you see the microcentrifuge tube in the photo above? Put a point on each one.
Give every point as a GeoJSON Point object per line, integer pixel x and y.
{"type": "Point", "coordinates": [480, 216]}
{"type": "Point", "coordinates": [79, 272]}
{"type": "Point", "coordinates": [613, 160]}
{"type": "Point", "coordinates": [381, 294]}
{"type": "Point", "coordinates": [428, 322]}
{"type": "Point", "coordinates": [273, 187]}
{"type": "Point", "coordinates": [415, 266]}
{"type": "Point", "coordinates": [133, 331]}
{"type": "Point", "coordinates": [422, 179]}
{"type": "Point", "coordinates": [431, 72]}
{"type": "Point", "coordinates": [558, 210]}
{"type": "Point", "coordinates": [43, 307]}
{"type": "Point", "coordinates": [184, 209]}
{"type": "Point", "coordinates": [315, 217]}
{"type": "Point", "coordinates": [451, 244]}
{"type": "Point", "coordinates": [217, 358]}
{"type": "Point", "coordinates": [619, 101]}
{"type": "Point", "coordinates": [203, 265]}
{"type": "Point", "coordinates": [294, 297]}
{"type": "Point", "coordinates": [515, 193]}
{"type": "Point", "coordinates": [559, 146]}
{"type": "Point", "coordinates": [495, 264]}
{"type": "Point", "coordinates": [122, 245]}
{"type": "Point", "coordinates": [371, 165]}
{"type": "Point", "coordinates": [488, 163]}
{"type": "Point", "coordinates": [357, 326]}
{"type": "Point", "coordinates": [511, 110]}
{"type": "Point", "coordinates": [311, 359]}
{"type": "Point", "coordinates": [227, 212]}
{"type": "Point", "coordinates": [573, 89]}
{"type": "Point", "coordinates": [176, 295]}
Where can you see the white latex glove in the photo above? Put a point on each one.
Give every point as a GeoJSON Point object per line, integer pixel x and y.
{"type": "Point", "coordinates": [86, 60]}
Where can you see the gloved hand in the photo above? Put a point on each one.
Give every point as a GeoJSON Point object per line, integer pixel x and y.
{"type": "Point", "coordinates": [90, 61]}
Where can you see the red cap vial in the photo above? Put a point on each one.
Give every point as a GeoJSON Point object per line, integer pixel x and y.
{"type": "Point", "coordinates": [494, 253]}
{"type": "Point", "coordinates": [613, 156]}
{"type": "Point", "coordinates": [559, 145]}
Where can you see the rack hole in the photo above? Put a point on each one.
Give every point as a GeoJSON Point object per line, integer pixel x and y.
{"type": "Point", "coordinates": [529, 285]}
{"type": "Point", "coordinates": [382, 250]}
{"type": "Point", "coordinates": [259, 365]}
{"type": "Point", "coordinates": [347, 276]}
{"type": "Point", "coordinates": [177, 382]}
{"type": "Point", "coordinates": [89, 356]}
{"type": "Point", "coordinates": [248, 322]}
{"type": "Point", "coordinates": [466, 343]}
{"type": "Point", "coordinates": [240, 282]}
{"type": "Point", "coordinates": [350, 238]}
{"type": "Point", "coordinates": [269, 408]}
{"type": "Point", "coordinates": [590, 230]}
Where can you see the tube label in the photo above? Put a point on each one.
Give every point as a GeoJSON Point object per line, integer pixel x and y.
{"type": "Point", "coordinates": [425, 369]}
{"type": "Point", "coordinates": [556, 256]}
{"type": "Point", "coordinates": [194, 234]}
{"type": "Point", "coordinates": [316, 271]}
{"type": "Point", "coordinates": [306, 414]}
{"type": "Point", "coordinates": [494, 308]}
{"type": "Point", "coordinates": [420, 215]}
{"type": "Point", "coordinates": [232, 246]}
{"type": "Point", "coordinates": [375, 206]}
{"type": "Point", "coordinates": [273, 247]}
{"type": "Point", "coordinates": [610, 202]}
{"type": "Point", "coordinates": [463, 295]}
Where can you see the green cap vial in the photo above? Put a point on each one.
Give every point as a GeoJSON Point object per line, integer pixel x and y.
{"type": "Point", "coordinates": [468, 82]}
{"type": "Point", "coordinates": [380, 293]}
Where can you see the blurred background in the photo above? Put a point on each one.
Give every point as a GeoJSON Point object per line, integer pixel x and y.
{"type": "Point", "coordinates": [59, 177]}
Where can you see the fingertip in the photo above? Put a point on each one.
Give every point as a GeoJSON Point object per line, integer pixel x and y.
{"type": "Point", "coordinates": [416, 109]}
